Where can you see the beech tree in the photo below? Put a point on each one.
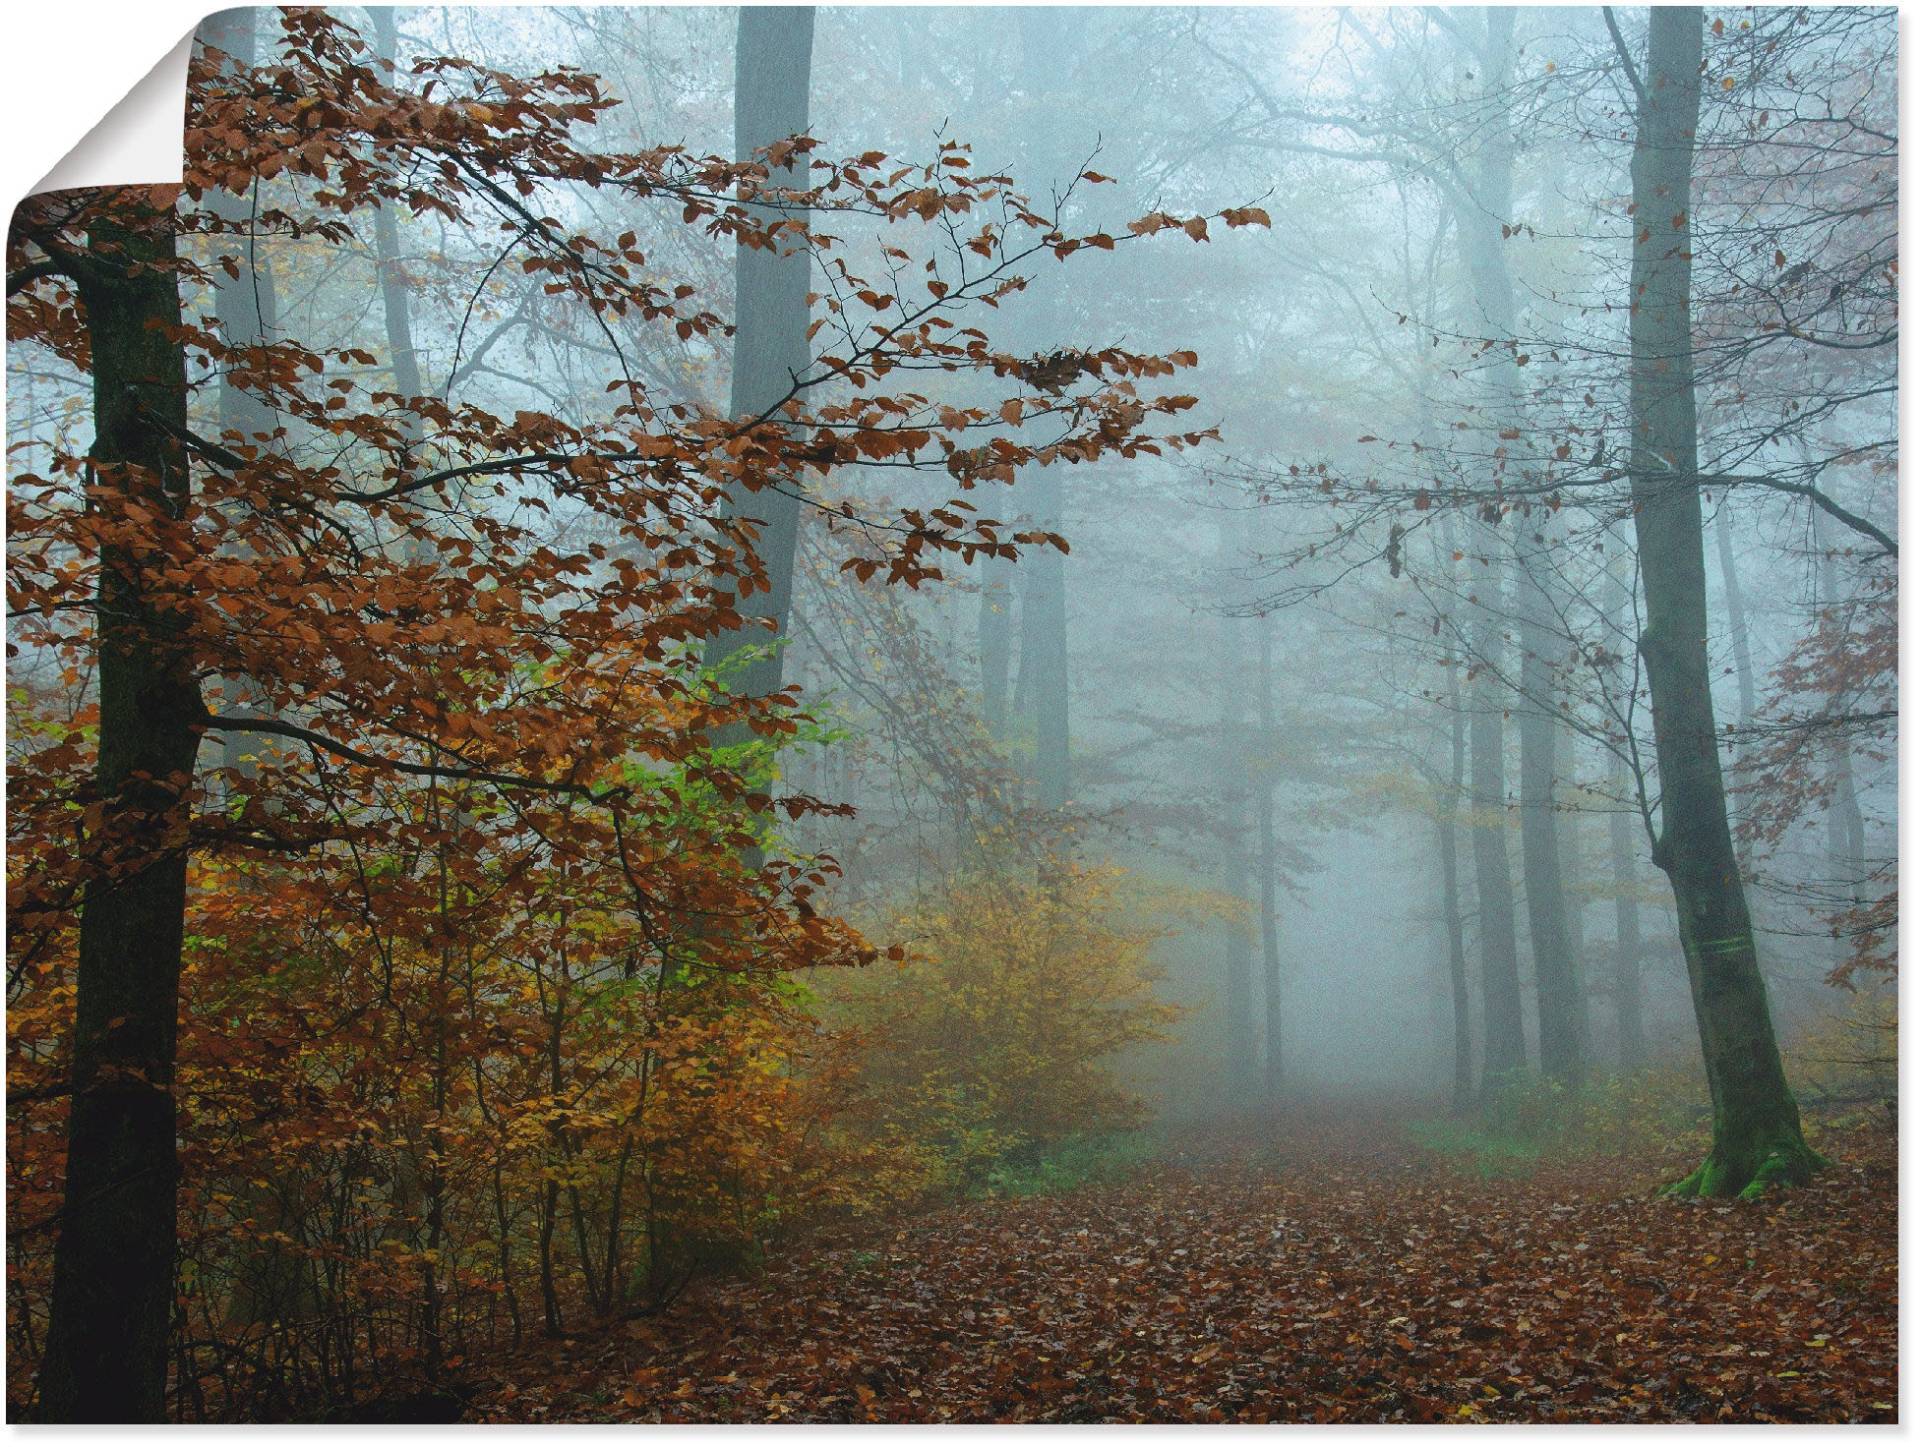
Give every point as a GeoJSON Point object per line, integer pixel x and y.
{"type": "Point", "coordinates": [1756, 1123]}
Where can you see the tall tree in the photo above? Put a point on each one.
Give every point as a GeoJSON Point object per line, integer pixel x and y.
{"type": "Point", "coordinates": [1846, 826]}
{"type": "Point", "coordinates": [1629, 1009]}
{"type": "Point", "coordinates": [1233, 762]}
{"type": "Point", "coordinates": [245, 304]}
{"type": "Point", "coordinates": [1503, 1033]}
{"type": "Point", "coordinates": [106, 1352]}
{"type": "Point", "coordinates": [1484, 209]}
{"type": "Point", "coordinates": [1268, 865]}
{"type": "Point", "coordinates": [396, 304]}
{"type": "Point", "coordinates": [1446, 824]}
{"type": "Point", "coordinates": [1756, 1123]}
{"type": "Point", "coordinates": [1047, 38]}
{"type": "Point", "coordinates": [772, 74]}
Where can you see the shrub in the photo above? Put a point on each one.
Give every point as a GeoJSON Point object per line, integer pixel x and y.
{"type": "Point", "coordinates": [996, 1040]}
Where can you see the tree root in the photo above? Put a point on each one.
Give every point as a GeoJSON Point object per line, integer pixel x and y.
{"type": "Point", "coordinates": [1749, 1175]}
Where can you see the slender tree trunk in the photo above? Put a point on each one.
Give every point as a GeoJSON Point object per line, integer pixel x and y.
{"type": "Point", "coordinates": [1556, 975]}
{"type": "Point", "coordinates": [1628, 988]}
{"type": "Point", "coordinates": [1736, 614]}
{"type": "Point", "coordinates": [396, 305]}
{"type": "Point", "coordinates": [1503, 1032]}
{"type": "Point", "coordinates": [1739, 635]}
{"type": "Point", "coordinates": [1756, 1123]}
{"type": "Point", "coordinates": [112, 1310]}
{"type": "Point", "coordinates": [1447, 826]}
{"type": "Point", "coordinates": [1846, 825]}
{"type": "Point", "coordinates": [1043, 648]}
{"type": "Point", "coordinates": [1628, 992]}
{"type": "Point", "coordinates": [1487, 206]}
{"type": "Point", "coordinates": [996, 641]}
{"type": "Point", "coordinates": [1241, 1067]}
{"type": "Point", "coordinates": [1268, 865]}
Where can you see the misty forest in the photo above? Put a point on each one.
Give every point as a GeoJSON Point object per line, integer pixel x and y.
{"type": "Point", "coordinates": [962, 714]}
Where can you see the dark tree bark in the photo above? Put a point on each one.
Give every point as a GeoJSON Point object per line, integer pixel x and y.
{"type": "Point", "coordinates": [773, 65]}
{"type": "Point", "coordinates": [1756, 1124]}
{"type": "Point", "coordinates": [106, 1351]}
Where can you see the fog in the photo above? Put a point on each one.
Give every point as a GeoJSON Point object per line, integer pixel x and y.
{"type": "Point", "coordinates": [1343, 368]}
{"type": "Point", "coordinates": [802, 607]}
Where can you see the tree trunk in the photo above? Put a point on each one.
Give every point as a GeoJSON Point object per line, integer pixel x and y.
{"type": "Point", "coordinates": [1756, 1123]}
{"type": "Point", "coordinates": [773, 64]}
{"type": "Point", "coordinates": [996, 641]}
{"type": "Point", "coordinates": [1487, 206]}
{"type": "Point", "coordinates": [1556, 976]}
{"type": "Point", "coordinates": [271, 1283]}
{"type": "Point", "coordinates": [1736, 614]}
{"type": "Point", "coordinates": [1629, 993]}
{"type": "Point", "coordinates": [1846, 825]}
{"type": "Point", "coordinates": [1628, 1007]}
{"type": "Point", "coordinates": [395, 303]}
{"type": "Point", "coordinates": [106, 1353]}
{"type": "Point", "coordinates": [1503, 1032]}
{"type": "Point", "coordinates": [1447, 827]}
{"type": "Point", "coordinates": [1235, 881]}
{"type": "Point", "coordinates": [245, 306]}
{"type": "Point", "coordinates": [1046, 51]}
{"type": "Point", "coordinates": [1043, 647]}
{"type": "Point", "coordinates": [1269, 918]}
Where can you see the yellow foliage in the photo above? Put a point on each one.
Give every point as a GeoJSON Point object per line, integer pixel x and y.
{"type": "Point", "coordinates": [1002, 1027]}
{"type": "Point", "coordinates": [1854, 1053]}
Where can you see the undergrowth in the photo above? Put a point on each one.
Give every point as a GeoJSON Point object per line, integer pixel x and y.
{"type": "Point", "coordinates": [1529, 1119]}
{"type": "Point", "coordinates": [1066, 1165]}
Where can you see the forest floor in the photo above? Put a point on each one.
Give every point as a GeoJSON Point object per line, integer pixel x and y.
{"type": "Point", "coordinates": [1318, 1268]}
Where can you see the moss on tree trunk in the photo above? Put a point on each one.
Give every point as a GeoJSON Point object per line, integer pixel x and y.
{"type": "Point", "coordinates": [1756, 1124]}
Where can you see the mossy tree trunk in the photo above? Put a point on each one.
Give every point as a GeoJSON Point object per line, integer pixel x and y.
{"type": "Point", "coordinates": [1756, 1124]}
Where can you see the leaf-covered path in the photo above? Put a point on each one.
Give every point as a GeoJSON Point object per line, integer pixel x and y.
{"type": "Point", "coordinates": [1324, 1274]}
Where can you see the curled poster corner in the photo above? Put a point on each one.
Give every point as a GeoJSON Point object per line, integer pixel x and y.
{"type": "Point", "coordinates": [138, 142]}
